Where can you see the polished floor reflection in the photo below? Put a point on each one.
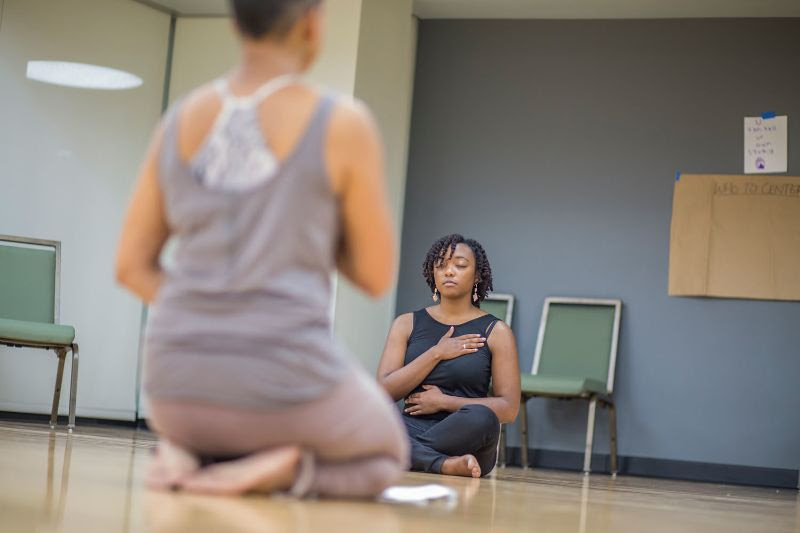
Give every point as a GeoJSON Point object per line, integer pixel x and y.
{"type": "Point", "coordinates": [92, 481]}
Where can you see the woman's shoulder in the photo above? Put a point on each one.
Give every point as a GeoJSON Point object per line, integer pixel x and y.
{"type": "Point", "coordinates": [342, 102]}
{"type": "Point", "coordinates": [498, 322]}
{"type": "Point", "coordinates": [405, 317]}
{"type": "Point", "coordinates": [203, 99]}
{"type": "Point", "coordinates": [404, 323]}
{"type": "Point", "coordinates": [408, 321]}
{"type": "Point", "coordinates": [486, 322]}
{"type": "Point", "coordinates": [351, 119]}
{"type": "Point", "coordinates": [195, 114]}
{"type": "Point", "coordinates": [498, 329]}
{"type": "Point", "coordinates": [412, 317]}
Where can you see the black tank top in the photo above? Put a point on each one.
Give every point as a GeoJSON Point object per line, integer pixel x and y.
{"type": "Point", "coordinates": [466, 376]}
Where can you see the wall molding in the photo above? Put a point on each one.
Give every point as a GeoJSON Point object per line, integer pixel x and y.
{"type": "Point", "coordinates": [30, 409]}
{"type": "Point", "coordinates": [785, 478]}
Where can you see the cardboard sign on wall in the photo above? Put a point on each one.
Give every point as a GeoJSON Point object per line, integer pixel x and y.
{"type": "Point", "coordinates": [735, 237]}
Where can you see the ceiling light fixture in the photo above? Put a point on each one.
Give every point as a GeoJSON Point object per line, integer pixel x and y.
{"type": "Point", "coordinates": [81, 75]}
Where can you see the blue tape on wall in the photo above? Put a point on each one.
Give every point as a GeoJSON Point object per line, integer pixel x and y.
{"type": "Point", "coordinates": [678, 176]}
{"type": "Point", "coordinates": [768, 114]}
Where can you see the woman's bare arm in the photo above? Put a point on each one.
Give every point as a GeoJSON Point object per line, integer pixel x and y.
{"type": "Point", "coordinates": [355, 161]}
{"type": "Point", "coordinates": [399, 379]}
{"type": "Point", "coordinates": [144, 231]}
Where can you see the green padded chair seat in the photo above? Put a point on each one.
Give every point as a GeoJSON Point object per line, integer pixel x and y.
{"type": "Point", "coordinates": [36, 332]}
{"type": "Point", "coordinates": [560, 386]}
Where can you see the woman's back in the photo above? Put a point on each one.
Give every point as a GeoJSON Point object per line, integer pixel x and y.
{"type": "Point", "coordinates": [245, 304]}
{"type": "Point", "coordinates": [250, 218]}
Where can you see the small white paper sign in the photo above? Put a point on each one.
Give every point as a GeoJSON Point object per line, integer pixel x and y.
{"type": "Point", "coordinates": [765, 145]}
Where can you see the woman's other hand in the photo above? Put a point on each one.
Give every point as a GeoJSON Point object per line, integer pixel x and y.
{"type": "Point", "coordinates": [430, 401]}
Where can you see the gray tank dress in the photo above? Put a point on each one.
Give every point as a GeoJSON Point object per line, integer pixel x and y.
{"type": "Point", "coordinates": [242, 318]}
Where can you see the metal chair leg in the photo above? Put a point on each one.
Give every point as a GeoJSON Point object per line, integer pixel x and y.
{"type": "Point", "coordinates": [62, 355]}
{"type": "Point", "coordinates": [73, 387]}
{"type": "Point", "coordinates": [523, 432]}
{"type": "Point", "coordinates": [587, 455]}
{"type": "Point", "coordinates": [612, 423]}
{"type": "Point", "coordinates": [501, 447]}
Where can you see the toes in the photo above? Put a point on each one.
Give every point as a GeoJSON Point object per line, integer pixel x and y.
{"type": "Point", "coordinates": [169, 466]}
{"type": "Point", "coordinates": [158, 478]}
{"type": "Point", "coordinates": [474, 466]}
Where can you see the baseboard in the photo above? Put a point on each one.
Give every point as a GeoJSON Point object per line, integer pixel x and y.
{"type": "Point", "coordinates": [662, 468]}
{"type": "Point", "coordinates": [79, 420]}
{"type": "Point", "coordinates": [82, 412]}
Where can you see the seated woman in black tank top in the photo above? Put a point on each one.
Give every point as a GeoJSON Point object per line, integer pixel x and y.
{"type": "Point", "coordinates": [441, 360]}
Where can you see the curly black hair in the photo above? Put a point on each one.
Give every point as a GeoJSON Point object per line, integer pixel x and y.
{"type": "Point", "coordinates": [445, 247]}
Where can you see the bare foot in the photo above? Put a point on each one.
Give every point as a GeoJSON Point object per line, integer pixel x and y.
{"type": "Point", "coordinates": [463, 465]}
{"type": "Point", "coordinates": [170, 465]}
{"type": "Point", "coordinates": [262, 472]}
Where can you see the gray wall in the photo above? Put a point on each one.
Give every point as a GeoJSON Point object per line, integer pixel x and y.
{"type": "Point", "coordinates": [555, 144]}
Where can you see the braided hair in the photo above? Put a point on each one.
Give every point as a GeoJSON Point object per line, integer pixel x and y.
{"type": "Point", "coordinates": [445, 247]}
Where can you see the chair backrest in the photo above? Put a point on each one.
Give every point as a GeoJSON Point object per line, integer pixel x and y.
{"type": "Point", "coordinates": [29, 279]}
{"type": "Point", "coordinates": [500, 305]}
{"type": "Point", "coordinates": [578, 337]}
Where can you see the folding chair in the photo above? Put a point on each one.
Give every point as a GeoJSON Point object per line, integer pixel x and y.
{"type": "Point", "coordinates": [30, 271]}
{"type": "Point", "coordinates": [576, 354]}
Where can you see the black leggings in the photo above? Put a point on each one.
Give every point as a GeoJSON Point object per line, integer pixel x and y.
{"type": "Point", "coordinates": [473, 429]}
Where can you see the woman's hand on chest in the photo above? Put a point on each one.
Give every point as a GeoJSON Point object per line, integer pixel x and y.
{"type": "Point", "coordinates": [450, 347]}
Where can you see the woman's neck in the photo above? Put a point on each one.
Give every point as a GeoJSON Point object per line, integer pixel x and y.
{"type": "Point", "coordinates": [261, 61]}
{"type": "Point", "coordinates": [457, 309]}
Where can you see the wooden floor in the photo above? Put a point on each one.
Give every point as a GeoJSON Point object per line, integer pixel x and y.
{"type": "Point", "coordinates": [92, 481]}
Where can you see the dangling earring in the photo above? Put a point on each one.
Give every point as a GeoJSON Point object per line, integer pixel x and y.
{"type": "Point", "coordinates": [475, 294]}
{"type": "Point", "coordinates": [435, 295]}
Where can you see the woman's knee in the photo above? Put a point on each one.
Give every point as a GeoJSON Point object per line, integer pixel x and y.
{"type": "Point", "coordinates": [482, 418]}
{"type": "Point", "coordinates": [487, 463]}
